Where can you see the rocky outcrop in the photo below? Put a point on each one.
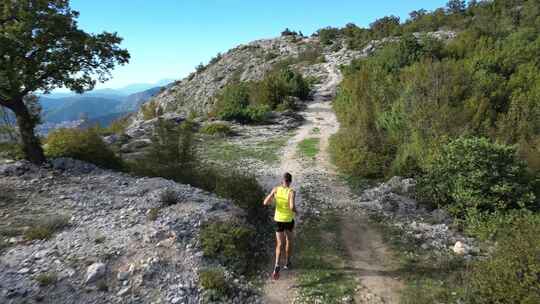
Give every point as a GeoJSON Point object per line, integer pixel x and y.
{"type": "Point", "coordinates": [110, 249]}
{"type": "Point", "coordinates": [394, 201]}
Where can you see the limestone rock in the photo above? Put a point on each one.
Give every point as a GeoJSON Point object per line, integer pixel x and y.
{"type": "Point", "coordinates": [95, 272]}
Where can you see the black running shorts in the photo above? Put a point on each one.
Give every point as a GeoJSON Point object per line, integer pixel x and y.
{"type": "Point", "coordinates": [282, 226]}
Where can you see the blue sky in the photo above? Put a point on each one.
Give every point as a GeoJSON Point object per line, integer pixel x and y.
{"type": "Point", "coordinates": [168, 38]}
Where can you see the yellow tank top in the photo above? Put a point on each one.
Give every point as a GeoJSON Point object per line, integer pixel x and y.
{"type": "Point", "coordinates": [283, 212]}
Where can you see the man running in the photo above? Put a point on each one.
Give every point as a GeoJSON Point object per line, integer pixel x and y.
{"type": "Point", "coordinates": [284, 218]}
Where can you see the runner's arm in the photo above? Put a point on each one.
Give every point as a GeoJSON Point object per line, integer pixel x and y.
{"type": "Point", "coordinates": [292, 204]}
{"type": "Point", "coordinates": [269, 197]}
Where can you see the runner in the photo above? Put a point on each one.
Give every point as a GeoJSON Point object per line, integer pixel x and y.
{"type": "Point", "coordinates": [283, 195]}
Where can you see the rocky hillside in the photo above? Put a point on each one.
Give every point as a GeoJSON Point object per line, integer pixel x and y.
{"type": "Point", "coordinates": [249, 62]}
{"type": "Point", "coordinates": [73, 233]}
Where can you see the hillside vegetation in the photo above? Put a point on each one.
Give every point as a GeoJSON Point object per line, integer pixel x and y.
{"type": "Point", "coordinates": [463, 117]}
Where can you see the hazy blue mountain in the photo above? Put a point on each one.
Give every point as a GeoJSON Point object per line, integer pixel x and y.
{"type": "Point", "coordinates": [73, 108]}
{"type": "Point", "coordinates": [132, 102]}
{"type": "Point", "coordinates": [118, 93]}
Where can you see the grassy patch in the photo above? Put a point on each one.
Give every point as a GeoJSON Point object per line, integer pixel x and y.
{"type": "Point", "coordinates": [214, 280]}
{"type": "Point", "coordinates": [44, 228]}
{"type": "Point", "coordinates": [217, 129]}
{"type": "Point", "coordinates": [316, 131]}
{"type": "Point", "coordinates": [46, 279]}
{"type": "Point", "coordinates": [152, 214]}
{"type": "Point", "coordinates": [223, 151]}
{"type": "Point", "coordinates": [309, 147]}
{"type": "Point", "coordinates": [322, 277]}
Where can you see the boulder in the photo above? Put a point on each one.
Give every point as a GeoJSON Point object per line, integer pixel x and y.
{"type": "Point", "coordinates": [95, 272]}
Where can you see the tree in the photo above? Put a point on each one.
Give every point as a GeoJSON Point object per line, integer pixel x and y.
{"type": "Point", "coordinates": [42, 48]}
{"type": "Point", "coordinates": [456, 6]}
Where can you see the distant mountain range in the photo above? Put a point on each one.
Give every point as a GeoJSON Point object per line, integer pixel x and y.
{"type": "Point", "coordinates": [118, 93]}
{"type": "Point", "coordinates": [60, 107]}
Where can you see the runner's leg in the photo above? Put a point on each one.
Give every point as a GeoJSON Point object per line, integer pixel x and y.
{"type": "Point", "coordinates": [288, 244]}
{"type": "Point", "coordinates": [280, 239]}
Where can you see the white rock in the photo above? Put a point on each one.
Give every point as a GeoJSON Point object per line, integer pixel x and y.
{"type": "Point", "coordinates": [94, 272]}
{"type": "Point", "coordinates": [123, 291]}
{"type": "Point", "coordinates": [459, 248]}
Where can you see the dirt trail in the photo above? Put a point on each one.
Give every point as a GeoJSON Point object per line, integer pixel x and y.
{"type": "Point", "coordinates": [367, 257]}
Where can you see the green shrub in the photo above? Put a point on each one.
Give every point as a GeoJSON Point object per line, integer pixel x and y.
{"type": "Point", "coordinates": [46, 279]}
{"type": "Point", "coordinates": [250, 102]}
{"type": "Point", "coordinates": [150, 110]}
{"type": "Point", "coordinates": [217, 129]}
{"type": "Point", "coordinates": [311, 55]}
{"type": "Point", "coordinates": [270, 55]}
{"type": "Point", "coordinates": [86, 145]}
{"type": "Point", "coordinates": [230, 243]}
{"type": "Point", "coordinates": [44, 228]}
{"type": "Point", "coordinates": [328, 35]}
{"type": "Point", "coordinates": [215, 59]}
{"type": "Point", "coordinates": [172, 156]}
{"type": "Point", "coordinates": [117, 127]}
{"type": "Point", "coordinates": [214, 279]}
{"type": "Point", "coordinates": [168, 197]}
{"type": "Point", "coordinates": [11, 151]}
{"type": "Point", "coordinates": [152, 214]}
{"type": "Point", "coordinates": [473, 173]}
{"type": "Point", "coordinates": [511, 274]}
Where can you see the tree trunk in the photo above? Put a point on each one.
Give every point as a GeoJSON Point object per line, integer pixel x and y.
{"type": "Point", "coordinates": [31, 146]}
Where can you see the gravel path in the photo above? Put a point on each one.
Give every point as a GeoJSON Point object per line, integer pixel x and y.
{"type": "Point", "coordinates": [367, 256]}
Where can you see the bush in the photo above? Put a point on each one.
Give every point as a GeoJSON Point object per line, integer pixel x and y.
{"type": "Point", "coordinates": [251, 102]}
{"type": "Point", "coordinates": [473, 173]}
{"type": "Point", "coordinates": [219, 129]}
{"type": "Point", "coordinates": [11, 151]}
{"type": "Point", "coordinates": [214, 279]}
{"type": "Point", "coordinates": [168, 197]}
{"type": "Point", "coordinates": [230, 243]}
{"type": "Point", "coordinates": [86, 145]}
{"type": "Point", "coordinates": [328, 35]}
{"type": "Point", "coordinates": [117, 127]}
{"type": "Point", "coordinates": [150, 110]}
{"type": "Point", "coordinates": [152, 214]}
{"type": "Point", "coordinates": [511, 274]}
{"type": "Point", "coordinates": [46, 279]}
{"type": "Point", "coordinates": [44, 228]}
{"type": "Point", "coordinates": [172, 156]}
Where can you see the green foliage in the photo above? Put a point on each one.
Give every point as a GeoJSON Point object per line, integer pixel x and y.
{"type": "Point", "coordinates": [86, 145]}
{"type": "Point", "coordinates": [288, 32]}
{"type": "Point", "coordinates": [152, 214]}
{"type": "Point", "coordinates": [118, 126]}
{"type": "Point", "coordinates": [414, 95]}
{"type": "Point", "coordinates": [76, 60]}
{"type": "Point", "coordinates": [510, 274]}
{"type": "Point", "coordinates": [251, 102]}
{"type": "Point", "coordinates": [217, 129]}
{"type": "Point", "coordinates": [11, 151]}
{"type": "Point", "coordinates": [44, 228]}
{"type": "Point", "coordinates": [172, 155]}
{"type": "Point", "coordinates": [214, 279]}
{"type": "Point", "coordinates": [150, 110]}
{"type": "Point", "coordinates": [46, 279]}
{"type": "Point", "coordinates": [168, 197]}
{"type": "Point", "coordinates": [230, 243]}
{"type": "Point", "coordinates": [309, 147]}
{"type": "Point", "coordinates": [472, 173]}
{"type": "Point", "coordinates": [328, 35]}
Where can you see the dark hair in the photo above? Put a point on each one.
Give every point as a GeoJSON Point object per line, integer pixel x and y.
{"type": "Point", "coordinates": [287, 177]}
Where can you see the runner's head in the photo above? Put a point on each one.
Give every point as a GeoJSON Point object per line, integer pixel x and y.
{"type": "Point", "coordinates": [287, 179]}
